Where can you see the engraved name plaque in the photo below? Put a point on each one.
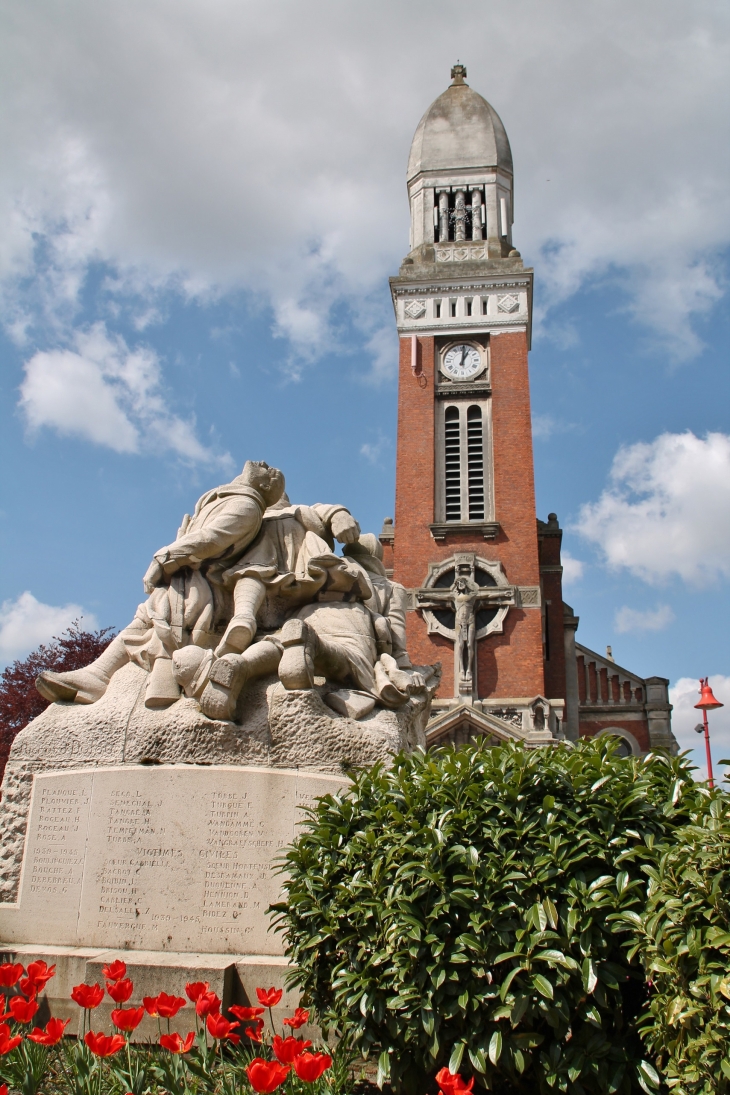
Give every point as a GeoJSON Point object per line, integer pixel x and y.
{"type": "Point", "coordinates": [169, 857]}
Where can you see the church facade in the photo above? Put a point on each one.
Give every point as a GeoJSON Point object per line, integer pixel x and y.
{"type": "Point", "coordinates": [483, 573]}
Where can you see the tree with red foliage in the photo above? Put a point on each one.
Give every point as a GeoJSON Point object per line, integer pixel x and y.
{"type": "Point", "coordinates": [19, 699]}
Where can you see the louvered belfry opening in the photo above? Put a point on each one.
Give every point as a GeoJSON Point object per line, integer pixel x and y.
{"type": "Point", "coordinates": [465, 484]}
{"type": "Point", "coordinates": [452, 461]}
{"type": "Point", "coordinates": [475, 457]}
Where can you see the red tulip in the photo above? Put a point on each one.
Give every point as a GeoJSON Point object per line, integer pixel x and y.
{"type": "Point", "coordinates": [51, 1035]}
{"type": "Point", "coordinates": [196, 989]}
{"type": "Point", "coordinates": [299, 1018]}
{"type": "Point", "coordinates": [169, 1006]}
{"type": "Point", "coordinates": [175, 1044]}
{"type": "Point", "coordinates": [451, 1083]}
{"type": "Point", "coordinates": [218, 1027]}
{"type": "Point", "coordinates": [207, 1004]}
{"type": "Point", "coordinates": [120, 991]}
{"type": "Point", "coordinates": [3, 1089]}
{"type": "Point", "coordinates": [104, 1045]}
{"type": "Point", "coordinates": [115, 971]}
{"type": "Point", "coordinates": [310, 1066]}
{"type": "Point", "coordinates": [22, 1010]}
{"type": "Point", "coordinates": [6, 1042]}
{"type": "Point", "coordinates": [164, 1006]}
{"type": "Point", "coordinates": [254, 1032]}
{"type": "Point", "coordinates": [87, 996]}
{"type": "Point", "coordinates": [269, 997]}
{"type": "Point", "coordinates": [41, 973]}
{"type": "Point", "coordinates": [127, 1018]}
{"type": "Point", "coordinates": [266, 1076]}
{"type": "Point", "coordinates": [286, 1049]}
{"type": "Point", "coordinates": [10, 974]}
{"type": "Point", "coordinates": [246, 1014]}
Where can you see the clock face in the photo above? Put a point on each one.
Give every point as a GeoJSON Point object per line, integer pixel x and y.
{"type": "Point", "coordinates": [462, 362]}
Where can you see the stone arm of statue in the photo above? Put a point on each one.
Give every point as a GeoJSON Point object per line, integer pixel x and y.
{"type": "Point", "coordinates": [495, 593]}
{"type": "Point", "coordinates": [233, 523]}
{"type": "Point", "coordinates": [339, 521]}
{"type": "Point", "coordinates": [436, 600]}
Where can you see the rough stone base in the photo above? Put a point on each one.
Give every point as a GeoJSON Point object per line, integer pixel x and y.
{"type": "Point", "coordinates": [274, 729]}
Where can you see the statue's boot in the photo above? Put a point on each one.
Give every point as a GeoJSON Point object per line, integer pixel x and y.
{"type": "Point", "coordinates": [306, 652]}
{"type": "Point", "coordinates": [248, 596]}
{"type": "Point", "coordinates": [227, 676]}
{"type": "Point", "coordinates": [300, 643]}
{"type": "Point", "coordinates": [162, 688]}
{"type": "Point", "coordinates": [84, 685]}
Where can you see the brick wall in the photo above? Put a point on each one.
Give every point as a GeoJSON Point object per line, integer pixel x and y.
{"type": "Point", "coordinates": [638, 727]}
{"type": "Point", "coordinates": [510, 664]}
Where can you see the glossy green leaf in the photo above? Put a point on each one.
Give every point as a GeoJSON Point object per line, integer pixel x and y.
{"type": "Point", "coordinates": [456, 1055]}
{"type": "Point", "coordinates": [543, 986]}
{"type": "Point", "coordinates": [495, 1047]}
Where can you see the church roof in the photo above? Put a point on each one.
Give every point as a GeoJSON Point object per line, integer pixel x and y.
{"type": "Point", "coordinates": [459, 130]}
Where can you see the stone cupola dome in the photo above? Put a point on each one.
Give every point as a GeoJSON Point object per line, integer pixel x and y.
{"type": "Point", "coordinates": [460, 183]}
{"type": "Point", "coordinates": [459, 130]}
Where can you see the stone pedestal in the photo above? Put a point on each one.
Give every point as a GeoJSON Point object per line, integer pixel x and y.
{"type": "Point", "coordinates": [153, 836]}
{"type": "Point", "coordinates": [170, 867]}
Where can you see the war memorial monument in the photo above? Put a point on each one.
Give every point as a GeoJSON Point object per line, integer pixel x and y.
{"type": "Point", "coordinates": [279, 646]}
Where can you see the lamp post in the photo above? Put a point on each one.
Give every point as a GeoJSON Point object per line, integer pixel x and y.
{"type": "Point", "coordinates": [707, 703]}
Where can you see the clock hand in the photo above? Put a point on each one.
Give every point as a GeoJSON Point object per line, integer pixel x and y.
{"type": "Point", "coordinates": [463, 354]}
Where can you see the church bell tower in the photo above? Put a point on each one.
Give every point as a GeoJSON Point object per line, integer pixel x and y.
{"type": "Point", "coordinates": [465, 541]}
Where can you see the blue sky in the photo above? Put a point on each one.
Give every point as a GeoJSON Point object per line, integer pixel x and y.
{"type": "Point", "coordinates": [202, 204]}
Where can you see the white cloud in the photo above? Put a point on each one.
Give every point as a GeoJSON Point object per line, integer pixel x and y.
{"type": "Point", "coordinates": [373, 451]}
{"type": "Point", "coordinates": [638, 620]}
{"type": "Point", "coordinates": [25, 623]}
{"type": "Point", "coordinates": [264, 146]}
{"type": "Point", "coordinates": [572, 569]}
{"type": "Point", "coordinates": [545, 426]}
{"type": "Point", "coordinates": [667, 510]}
{"type": "Point", "coordinates": [106, 393]}
{"type": "Point", "coordinates": [684, 694]}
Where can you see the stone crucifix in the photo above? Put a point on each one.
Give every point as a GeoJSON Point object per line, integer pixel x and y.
{"type": "Point", "coordinates": [466, 598]}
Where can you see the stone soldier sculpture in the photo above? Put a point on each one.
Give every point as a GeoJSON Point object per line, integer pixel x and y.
{"type": "Point", "coordinates": [185, 601]}
{"type": "Point", "coordinates": [351, 631]}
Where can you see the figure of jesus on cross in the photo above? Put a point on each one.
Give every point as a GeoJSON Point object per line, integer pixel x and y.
{"type": "Point", "coordinates": [466, 598]}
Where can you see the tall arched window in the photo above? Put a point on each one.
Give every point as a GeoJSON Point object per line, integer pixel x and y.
{"type": "Point", "coordinates": [464, 492]}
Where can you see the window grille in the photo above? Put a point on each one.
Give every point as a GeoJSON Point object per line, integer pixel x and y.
{"type": "Point", "coordinates": [464, 471]}
{"type": "Point", "coordinates": [475, 457]}
{"type": "Point", "coordinates": [452, 463]}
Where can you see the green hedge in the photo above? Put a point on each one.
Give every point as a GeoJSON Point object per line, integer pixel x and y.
{"type": "Point", "coordinates": [684, 943]}
{"type": "Point", "coordinates": [459, 909]}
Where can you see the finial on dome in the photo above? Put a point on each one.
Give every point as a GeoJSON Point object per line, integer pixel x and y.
{"type": "Point", "coordinates": [458, 73]}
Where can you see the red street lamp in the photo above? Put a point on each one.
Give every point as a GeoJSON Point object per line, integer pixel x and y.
{"type": "Point", "coordinates": [707, 703]}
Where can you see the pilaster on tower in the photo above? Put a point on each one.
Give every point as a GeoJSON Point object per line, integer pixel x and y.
{"type": "Point", "coordinates": [465, 535]}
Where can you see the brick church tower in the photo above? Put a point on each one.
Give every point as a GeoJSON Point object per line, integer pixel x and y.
{"type": "Point", "coordinates": [483, 575]}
